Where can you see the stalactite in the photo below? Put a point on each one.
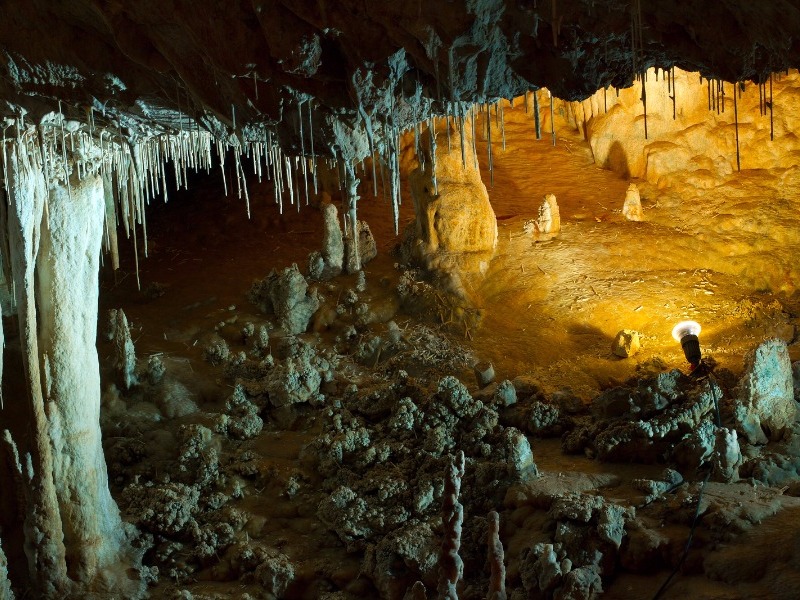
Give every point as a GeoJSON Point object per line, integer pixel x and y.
{"type": "Point", "coordinates": [502, 124]}
{"type": "Point", "coordinates": [771, 122]}
{"type": "Point", "coordinates": [674, 93]}
{"type": "Point", "coordinates": [461, 134]}
{"type": "Point", "coordinates": [552, 120]}
{"type": "Point", "coordinates": [736, 126]}
{"type": "Point", "coordinates": [644, 102]}
{"type": "Point", "coordinates": [447, 128]}
{"type": "Point", "coordinates": [432, 132]}
{"type": "Point", "coordinates": [352, 252]}
{"type": "Point", "coordinates": [474, 143]}
{"type": "Point", "coordinates": [709, 95]}
{"type": "Point", "coordinates": [536, 118]}
{"type": "Point", "coordinates": [303, 148]}
{"type": "Point", "coordinates": [489, 144]}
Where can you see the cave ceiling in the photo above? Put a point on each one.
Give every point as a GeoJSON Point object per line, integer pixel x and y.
{"type": "Point", "coordinates": [236, 67]}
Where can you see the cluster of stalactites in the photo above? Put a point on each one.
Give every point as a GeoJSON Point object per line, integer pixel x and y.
{"type": "Point", "coordinates": [135, 171]}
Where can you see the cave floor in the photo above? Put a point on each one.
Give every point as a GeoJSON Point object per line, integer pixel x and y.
{"type": "Point", "coordinates": [550, 311]}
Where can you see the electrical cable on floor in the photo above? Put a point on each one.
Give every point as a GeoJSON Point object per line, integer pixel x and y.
{"type": "Point", "coordinates": [688, 541]}
{"type": "Point", "coordinates": [713, 383]}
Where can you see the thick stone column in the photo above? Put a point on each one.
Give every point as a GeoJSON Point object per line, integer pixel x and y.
{"type": "Point", "coordinates": [22, 216]}
{"type": "Point", "coordinates": [67, 276]}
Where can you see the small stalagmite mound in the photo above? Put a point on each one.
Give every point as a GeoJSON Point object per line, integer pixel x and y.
{"type": "Point", "coordinates": [632, 208]}
{"type": "Point", "coordinates": [549, 219]}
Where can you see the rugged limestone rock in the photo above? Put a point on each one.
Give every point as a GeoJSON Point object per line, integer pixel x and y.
{"type": "Point", "coordinates": [626, 343]}
{"type": "Point", "coordinates": [286, 295]}
{"type": "Point", "coordinates": [484, 373]}
{"type": "Point", "coordinates": [765, 404]}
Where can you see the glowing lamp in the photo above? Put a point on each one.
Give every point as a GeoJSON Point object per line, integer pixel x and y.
{"type": "Point", "coordinates": [685, 333]}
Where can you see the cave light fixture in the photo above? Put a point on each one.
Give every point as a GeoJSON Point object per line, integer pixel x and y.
{"type": "Point", "coordinates": [686, 334]}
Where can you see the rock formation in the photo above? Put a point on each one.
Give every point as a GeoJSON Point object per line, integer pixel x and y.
{"type": "Point", "coordinates": [632, 207]}
{"type": "Point", "coordinates": [455, 227]}
{"type": "Point", "coordinates": [329, 261]}
{"type": "Point", "coordinates": [626, 343]}
{"type": "Point", "coordinates": [99, 99]}
{"type": "Point", "coordinates": [548, 222]}
{"type": "Point", "coordinates": [765, 405]}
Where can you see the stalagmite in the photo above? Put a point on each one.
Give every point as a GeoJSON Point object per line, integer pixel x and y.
{"type": "Point", "coordinates": [451, 567]}
{"type": "Point", "coordinates": [328, 262]}
{"type": "Point", "coordinates": [124, 352]}
{"type": "Point", "coordinates": [632, 208]}
{"type": "Point", "coordinates": [497, 580]}
{"type": "Point", "coordinates": [549, 219]}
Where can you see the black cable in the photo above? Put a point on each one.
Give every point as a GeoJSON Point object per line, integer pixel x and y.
{"type": "Point", "coordinates": [688, 541]}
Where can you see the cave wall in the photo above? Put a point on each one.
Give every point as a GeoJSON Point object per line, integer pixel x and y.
{"type": "Point", "coordinates": [699, 141]}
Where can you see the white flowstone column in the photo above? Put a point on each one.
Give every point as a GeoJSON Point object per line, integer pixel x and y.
{"type": "Point", "coordinates": [68, 303]}
{"type": "Point", "coordinates": [23, 215]}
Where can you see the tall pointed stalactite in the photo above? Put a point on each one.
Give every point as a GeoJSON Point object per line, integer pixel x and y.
{"type": "Point", "coordinates": [352, 252]}
{"type": "Point", "coordinates": [44, 545]}
{"type": "Point", "coordinates": [67, 283]}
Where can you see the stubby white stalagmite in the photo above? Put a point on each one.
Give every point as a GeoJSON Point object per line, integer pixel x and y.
{"type": "Point", "coordinates": [549, 221]}
{"type": "Point", "coordinates": [632, 208]}
{"type": "Point", "coordinates": [67, 277]}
